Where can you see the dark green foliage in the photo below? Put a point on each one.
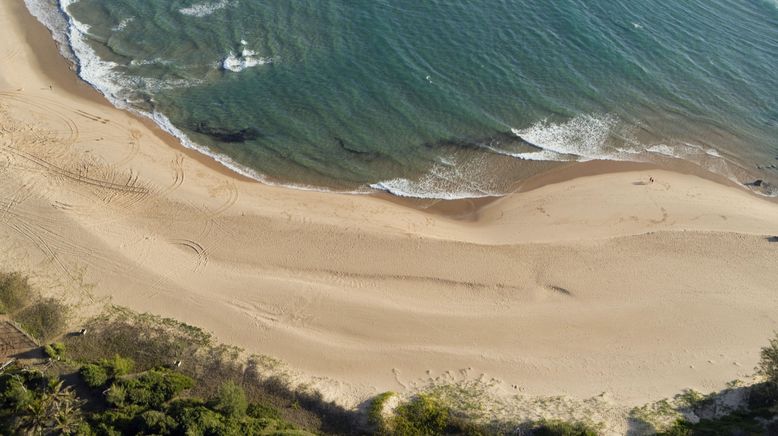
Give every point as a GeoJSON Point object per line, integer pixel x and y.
{"type": "Point", "coordinates": [231, 400]}
{"type": "Point", "coordinates": [15, 292]}
{"type": "Point", "coordinates": [55, 350]}
{"type": "Point", "coordinates": [154, 387]}
{"type": "Point", "coordinates": [117, 366]}
{"type": "Point", "coordinates": [153, 422]}
{"type": "Point", "coordinates": [33, 403]}
{"type": "Point", "coordinates": [99, 374]}
{"type": "Point", "coordinates": [154, 342]}
{"type": "Point", "coordinates": [95, 376]}
{"type": "Point", "coordinates": [562, 428]}
{"type": "Point", "coordinates": [44, 319]}
{"type": "Point", "coordinates": [116, 395]}
{"type": "Point", "coordinates": [423, 415]}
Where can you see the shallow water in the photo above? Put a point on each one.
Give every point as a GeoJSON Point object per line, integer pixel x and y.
{"type": "Point", "coordinates": [441, 98]}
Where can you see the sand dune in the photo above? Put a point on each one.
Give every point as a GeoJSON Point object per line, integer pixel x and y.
{"type": "Point", "coordinates": [599, 283]}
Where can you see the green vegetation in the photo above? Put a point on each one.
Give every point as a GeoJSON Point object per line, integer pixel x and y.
{"type": "Point", "coordinates": [153, 342]}
{"type": "Point", "coordinates": [55, 350]}
{"type": "Point", "coordinates": [562, 428]}
{"type": "Point", "coordinates": [143, 374]}
{"type": "Point", "coordinates": [231, 400]}
{"type": "Point", "coordinates": [768, 367]}
{"type": "Point", "coordinates": [145, 403]}
{"type": "Point", "coordinates": [423, 415]}
{"type": "Point", "coordinates": [97, 375]}
{"type": "Point", "coordinates": [375, 411]}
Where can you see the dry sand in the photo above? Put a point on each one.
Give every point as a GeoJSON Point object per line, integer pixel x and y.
{"type": "Point", "coordinates": [598, 283]}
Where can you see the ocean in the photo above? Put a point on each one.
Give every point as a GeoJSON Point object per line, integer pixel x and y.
{"type": "Point", "coordinates": [439, 98]}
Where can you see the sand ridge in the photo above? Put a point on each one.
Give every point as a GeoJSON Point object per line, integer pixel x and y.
{"type": "Point", "coordinates": [600, 283]}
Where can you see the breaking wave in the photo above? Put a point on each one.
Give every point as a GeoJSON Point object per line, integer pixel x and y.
{"type": "Point", "coordinates": [204, 9]}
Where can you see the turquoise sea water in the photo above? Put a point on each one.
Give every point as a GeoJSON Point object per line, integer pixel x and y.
{"type": "Point", "coordinates": [441, 98]}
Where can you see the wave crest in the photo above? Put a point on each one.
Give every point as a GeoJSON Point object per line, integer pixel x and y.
{"type": "Point", "coordinates": [204, 9]}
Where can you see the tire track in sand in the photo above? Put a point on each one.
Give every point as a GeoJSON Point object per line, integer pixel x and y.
{"type": "Point", "coordinates": [200, 252]}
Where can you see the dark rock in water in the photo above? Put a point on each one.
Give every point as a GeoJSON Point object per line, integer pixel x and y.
{"type": "Point", "coordinates": [757, 183]}
{"type": "Point", "coordinates": [227, 135]}
{"type": "Point", "coordinates": [362, 154]}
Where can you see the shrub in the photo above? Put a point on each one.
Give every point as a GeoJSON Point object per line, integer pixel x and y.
{"type": "Point", "coordinates": [55, 350]}
{"type": "Point", "coordinates": [424, 415]}
{"type": "Point", "coordinates": [116, 395]}
{"type": "Point", "coordinates": [44, 319]}
{"type": "Point", "coordinates": [15, 292]}
{"type": "Point", "coordinates": [95, 376]}
{"type": "Point", "coordinates": [153, 422]}
{"type": "Point", "coordinates": [768, 365]}
{"type": "Point", "coordinates": [376, 409]}
{"type": "Point", "coordinates": [262, 411]}
{"type": "Point", "coordinates": [117, 366]}
{"type": "Point", "coordinates": [562, 428]}
{"type": "Point", "coordinates": [155, 387]}
{"type": "Point", "coordinates": [15, 396]}
{"type": "Point", "coordinates": [231, 400]}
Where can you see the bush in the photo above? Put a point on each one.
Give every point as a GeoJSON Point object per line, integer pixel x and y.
{"type": "Point", "coordinates": [376, 409]}
{"type": "Point", "coordinates": [55, 350]}
{"type": "Point", "coordinates": [562, 428]}
{"type": "Point", "coordinates": [768, 366]}
{"type": "Point", "coordinates": [95, 376]}
{"type": "Point", "coordinates": [44, 319]}
{"type": "Point", "coordinates": [154, 388]}
{"type": "Point", "coordinates": [116, 395]}
{"type": "Point", "coordinates": [231, 400]}
{"type": "Point", "coordinates": [15, 292]}
{"type": "Point", "coordinates": [263, 411]}
{"type": "Point", "coordinates": [117, 366]}
{"type": "Point", "coordinates": [424, 415]}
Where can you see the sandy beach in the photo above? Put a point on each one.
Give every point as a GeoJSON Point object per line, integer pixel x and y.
{"type": "Point", "coordinates": [582, 285]}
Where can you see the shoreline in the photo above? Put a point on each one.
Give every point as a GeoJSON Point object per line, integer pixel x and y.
{"type": "Point", "coordinates": [62, 72]}
{"type": "Point", "coordinates": [583, 281]}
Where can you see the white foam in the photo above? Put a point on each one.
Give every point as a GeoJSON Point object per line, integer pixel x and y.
{"type": "Point", "coordinates": [582, 138]}
{"type": "Point", "coordinates": [408, 188]}
{"type": "Point", "coordinates": [448, 180]}
{"type": "Point", "coordinates": [246, 59]}
{"type": "Point", "coordinates": [204, 9]}
{"type": "Point", "coordinates": [123, 24]}
{"type": "Point", "coordinates": [55, 21]}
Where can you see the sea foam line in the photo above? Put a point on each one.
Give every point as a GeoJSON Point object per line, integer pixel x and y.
{"type": "Point", "coordinates": [582, 138]}
{"type": "Point", "coordinates": [98, 74]}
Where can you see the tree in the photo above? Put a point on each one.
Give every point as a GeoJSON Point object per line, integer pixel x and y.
{"type": "Point", "coordinates": [231, 400]}
{"type": "Point", "coordinates": [56, 409]}
{"type": "Point", "coordinates": [95, 376]}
